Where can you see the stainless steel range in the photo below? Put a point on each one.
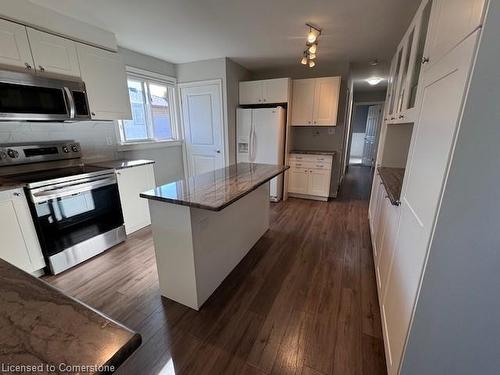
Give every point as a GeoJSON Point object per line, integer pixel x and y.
{"type": "Point", "coordinates": [75, 207]}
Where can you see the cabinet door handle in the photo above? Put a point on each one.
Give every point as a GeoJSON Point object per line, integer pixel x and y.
{"type": "Point", "coordinates": [16, 194]}
{"type": "Point", "coordinates": [28, 66]}
{"type": "Point", "coordinates": [92, 113]}
{"type": "Point", "coordinates": [42, 69]}
{"type": "Point", "coordinates": [401, 116]}
{"type": "Point", "coordinates": [425, 60]}
{"type": "Point", "coordinates": [308, 122]}
{"type": "Point", "coordinates": [298, 165]}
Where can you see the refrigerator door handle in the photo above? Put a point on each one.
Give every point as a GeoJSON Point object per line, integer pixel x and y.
{"type": "Point", "coordinates": [251, 153]}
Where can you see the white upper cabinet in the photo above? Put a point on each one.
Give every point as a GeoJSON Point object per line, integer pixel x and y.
{"type": "Point", "coordinates": [106, 81]}
{"type": "Point", "coordinates": [326, 101]}
{"type": "Point", "coordinates": [14, 46]}
{"type": "Point", "coordinates": [53, 54]}
{"type": "Point", "coordinates": [303, 101]}
{"type": "Point", "coordinates": [452, 21]}
{"type": "Point", "coordinates": [266, 91]}
{"type": "Point", "coordinates": [315, 101]}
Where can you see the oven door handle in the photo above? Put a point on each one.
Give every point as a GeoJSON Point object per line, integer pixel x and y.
{"type": "Point", "coordinates": [71, 102]}
{"type": "Point", "coordinates": [45, 195]}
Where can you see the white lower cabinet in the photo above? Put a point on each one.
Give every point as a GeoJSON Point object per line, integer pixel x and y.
{"type": "Point", "coordinates": [20, 245]}
{"type": "Point", "coordinates": [132, 182]}
{"type": "Point", "coordinates": [310, 176]}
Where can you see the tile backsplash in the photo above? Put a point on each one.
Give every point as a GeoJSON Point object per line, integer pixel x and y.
{"type": "Point", "coordinates": [98, 139]}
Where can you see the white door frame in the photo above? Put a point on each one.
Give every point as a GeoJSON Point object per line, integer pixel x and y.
{"type": "Point", "coordinates": [181, 125]}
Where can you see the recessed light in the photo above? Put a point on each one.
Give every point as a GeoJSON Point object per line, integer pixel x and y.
{"type": "Point", "coordinates": [374, 80]}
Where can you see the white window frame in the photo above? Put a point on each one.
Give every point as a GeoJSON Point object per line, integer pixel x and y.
{"type": "Point", "coordinates": [171, 83]}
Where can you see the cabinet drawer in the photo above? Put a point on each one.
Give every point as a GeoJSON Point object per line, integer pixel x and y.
{"type": "Point", "coordinates": [326, 159]}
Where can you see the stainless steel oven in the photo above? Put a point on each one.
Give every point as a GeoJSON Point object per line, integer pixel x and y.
{"type": "Point", "coordinates": [75, 207]}
{"type": "Point", "coordinates": [26, 97]}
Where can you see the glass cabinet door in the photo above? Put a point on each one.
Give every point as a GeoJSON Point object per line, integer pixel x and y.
{"type": "Point", "coordinates": [417, 64]}
{"type": "Point", "coordinates": [401, 105]}
{"type": "Point", "coordinates": [395, 84]}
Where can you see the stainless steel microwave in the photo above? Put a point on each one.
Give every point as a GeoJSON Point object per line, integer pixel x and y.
{"type": "Point", "coordinates": [26, 97]}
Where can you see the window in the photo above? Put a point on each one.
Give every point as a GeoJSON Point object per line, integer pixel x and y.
{"type": "Point", "coordinates": [153, 113]}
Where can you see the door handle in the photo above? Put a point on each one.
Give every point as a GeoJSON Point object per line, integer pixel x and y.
{"type": "Point", "coordinates": [217, 151]}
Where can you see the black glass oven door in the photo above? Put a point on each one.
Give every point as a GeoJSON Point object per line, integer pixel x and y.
{"type": "Point", "coordinates": [63, 222]}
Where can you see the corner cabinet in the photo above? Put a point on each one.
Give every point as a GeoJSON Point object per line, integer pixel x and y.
{"type": "Point", "coordinates": [20, 245]}
{"type": "Point", "coordinates": [132, 182]}
{"type": "Point", "coordinates": [106, 82]}
{"type": "Point", "coordinates": [309, 176]}
{"type": "Point", "coordinates": [266, 91]}
{"type": "Point", "coordinates": [315, 101]}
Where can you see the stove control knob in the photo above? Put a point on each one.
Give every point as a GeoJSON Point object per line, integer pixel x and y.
{"type": "Point", "coordinates": [13, 154]}
{"type": "Point", "coordinates": [65, 149]}
{"type": "Point", "coordinates": [75, 148]}
{"type": "Point", "coordinates": [3, 155]}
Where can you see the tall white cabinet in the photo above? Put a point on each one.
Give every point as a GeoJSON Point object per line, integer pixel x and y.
{"type": "Point", "coordinates": [402, 235]}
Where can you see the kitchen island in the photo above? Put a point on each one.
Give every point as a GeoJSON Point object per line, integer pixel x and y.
{"type": "Point", "coordinates": [204, 225]}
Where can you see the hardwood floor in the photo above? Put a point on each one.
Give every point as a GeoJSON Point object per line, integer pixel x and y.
{"type": "Point", "coordinates": [303, 301]}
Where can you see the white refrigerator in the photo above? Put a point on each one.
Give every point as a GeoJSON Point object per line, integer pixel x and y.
{"type": "Point", "coordinates": [260, 138]}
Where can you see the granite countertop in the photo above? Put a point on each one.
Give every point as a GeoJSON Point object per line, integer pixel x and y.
{"type": "Point", "coordinates": [218, 189]}
{"type": "Point", "coordinates": [313, 152]}
{"type": "Point", "coordinates": [41, 326]}
{"type": "Point", "coordinates": [6, 184]}
{"type": "Point", "coordinates": [392, 178]}
{"type": "Point", "coordinates": [122, 164]}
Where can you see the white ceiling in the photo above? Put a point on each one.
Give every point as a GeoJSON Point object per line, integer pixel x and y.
{"type": "Point", "coordinates": [259, 34]}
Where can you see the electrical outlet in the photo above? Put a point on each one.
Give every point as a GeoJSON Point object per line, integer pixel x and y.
{"type": "Point", "coordinates": [331, 131]}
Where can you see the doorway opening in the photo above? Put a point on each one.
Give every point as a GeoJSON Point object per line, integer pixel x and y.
{"type": "Point", "coordinates": [365, 130]}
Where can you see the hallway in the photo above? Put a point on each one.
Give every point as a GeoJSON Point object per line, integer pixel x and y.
{"type": "Point", "coordinates": [303, 301]}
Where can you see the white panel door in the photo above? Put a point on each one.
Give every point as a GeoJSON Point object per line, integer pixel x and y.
{"type": "Point", "coordinates": [302, 102]}
{"type": "Point", "coordinates": [106, 81]}
{"type": "Point", "coordinates": [275, 90]}
{"type": "Point", "coordinates": [251, 92]}
{"type": "Point", "coordinates": [298, 180]}
{"type": "Point", "coordinates": [326, 101]}
{"type": "Point", "coordinates": [444, 87]}
{"type": "Point", "coordinates": [203, 127]}
{"type": "Point", "coordinates": [319, 182]}
{"type": "Point", "coordinates": [451, 21]}
{"type": "Point", "coordinates": [53, 54]}
{"type": "Point", "coordinates": [14, 46]}
{"type": "Point", "coordinates": [131, 183]}
{"type": "Point", "coordinates": [373, 122]}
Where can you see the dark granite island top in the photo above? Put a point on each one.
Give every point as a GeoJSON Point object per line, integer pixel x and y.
{"type": "Point", "coordinates": [41, 326]}
{"type": "Point", "coordinates": [218, 189]}
{"type": "Point", "coordinates": [392, 178]}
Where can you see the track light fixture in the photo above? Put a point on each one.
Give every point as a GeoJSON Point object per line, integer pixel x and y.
{"type": "Point", "coordinates": [311, 46]}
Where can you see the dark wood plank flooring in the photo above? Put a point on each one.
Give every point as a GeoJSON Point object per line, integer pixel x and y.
{"type": "Point", "coordinates": [303, 301]}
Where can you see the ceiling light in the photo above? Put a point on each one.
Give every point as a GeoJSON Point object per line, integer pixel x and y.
{"type": "Point", "coordinates": [313, 48]}
{"type": "Point", "coordinates": [311, 63]}
{"type": "Point", "coordinates": [374, 80]}
{"type": "Point", "coordinates": [312, 56]}
{"type": "Point", "coordinates": [303, 61]}
{"type": "Point", "coordinates": [311, 37]}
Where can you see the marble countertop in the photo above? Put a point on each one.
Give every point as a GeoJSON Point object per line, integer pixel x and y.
{"type": "Point", "coordinates": [392, 178]}
{"type": "Point", "coordinates": [42, 326]}
{"type": "Point", "coordinates": [122, 164]}
{"type": "Point", "coordinates": [218, 189]}
{"type": "Point", "coordinates": [313, 152]}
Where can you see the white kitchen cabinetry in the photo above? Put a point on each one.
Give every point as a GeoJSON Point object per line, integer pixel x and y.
{"type": "Point", "coordinates": [452, 21]}
{"type": "Point", "coordinates": [315, 101]}
{"type": "Point", "coordinates": [310, 176]}
{"type": "Point", "coordinates": [131, 182]}
{"type": "Point", "coordinates": [266, 91]}
{"type": "Point", "coordinates": [14, 46]}
{"type": "Point", "coordinates": [53, 54]}
{"type": "Point", "coordinates": [106, 81]}
{"type": "Point", "coordinates": [20, 245]}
